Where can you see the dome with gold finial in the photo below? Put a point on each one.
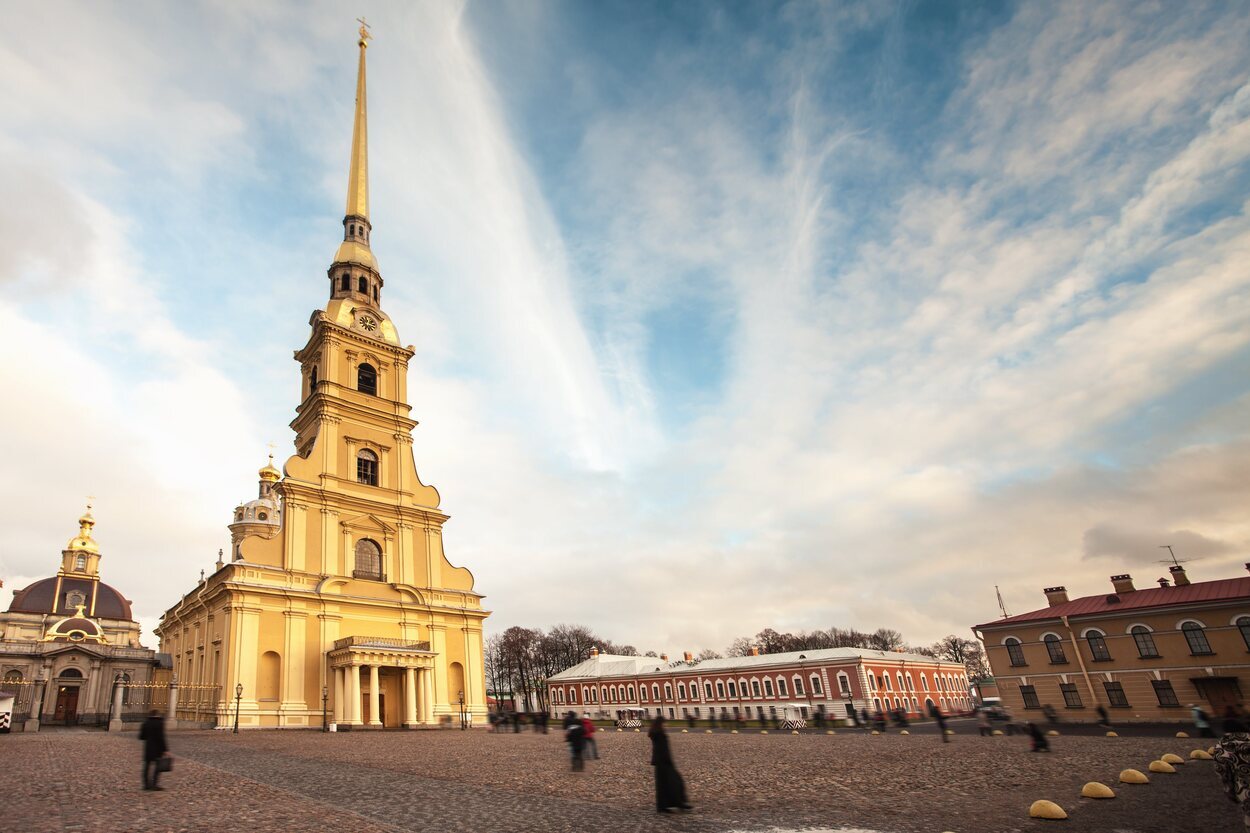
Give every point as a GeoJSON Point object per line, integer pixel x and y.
{"type": "Point", "coordinates": [83, 540]}
{"type": "Point", "coordinates": [269, 472]}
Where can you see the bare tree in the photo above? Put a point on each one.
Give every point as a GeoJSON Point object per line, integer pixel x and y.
{"type": "Point", "coordinates": [707, 653]}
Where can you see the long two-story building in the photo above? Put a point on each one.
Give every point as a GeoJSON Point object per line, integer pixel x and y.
{"type": "Point", "coordinates": [829, 682]}
{"type": "Point", "coordinates": [1142, 654]}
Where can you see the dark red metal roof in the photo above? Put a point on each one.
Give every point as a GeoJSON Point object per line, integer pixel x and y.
{"type": "Point", "coordinates": [1226, 589]}
{"type": "Point", "coordinates": [38, 598]}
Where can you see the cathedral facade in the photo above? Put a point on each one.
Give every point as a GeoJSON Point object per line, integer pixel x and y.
{"type": "Point", "coordinates": [337, 595]}
{"type": "Point", "coordinates": [69, 642]}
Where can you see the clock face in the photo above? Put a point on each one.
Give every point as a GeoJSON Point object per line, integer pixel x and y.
{"type": "Point", "coordinates": [367, 323]}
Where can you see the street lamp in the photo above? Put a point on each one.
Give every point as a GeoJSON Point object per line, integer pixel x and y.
{"type": "Point", "coordinates": [325, 697]}
{"type": "Point", "coordinates": [238, 698]}
{"type": "Point", "coordinates": [463, 722]}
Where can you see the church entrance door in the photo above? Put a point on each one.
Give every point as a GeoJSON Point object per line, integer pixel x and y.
{"type": "Point", "coordinates": [66, 705]}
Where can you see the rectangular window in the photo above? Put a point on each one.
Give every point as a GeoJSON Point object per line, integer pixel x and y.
{"type": "Point", "coordinates": [1164, 692]}
{"type": "Point", "coordinates": [668, 692]}
{"type": "Point", "coordinates": [1029, 693]}
{"type": "Point", "coordinates": [1071, 697]}
{"type": "Point", "coordinates": [732, 689]}
{"type": "Point", "coordinates": [720, 690]}
{"type": "Point", "coordinates": [681, 691]}
{"type": "Point", "coordinates": [815, 684]}
{"type": "Point", "coordinates": [755, 688]}
{"type": "Point", "coordinates": [707, 688]}
{"type": "Point", "coordinates": [798, 687]}
{"type": "Point", "coordinates": [768, 688]}
{"type": "Point", "coordinates": [1115, 694]}
{"type": "Point", "coordinates": [366, 470]}
{"type": "Point", "coordinates": [781, 686]}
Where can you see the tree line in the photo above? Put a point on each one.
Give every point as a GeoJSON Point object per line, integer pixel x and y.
{"type": "Point", "coordinates": [520, 660]}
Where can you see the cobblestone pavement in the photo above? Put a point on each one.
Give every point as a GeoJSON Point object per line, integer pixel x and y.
{"type": "Point", "coordinates": [448, 781]}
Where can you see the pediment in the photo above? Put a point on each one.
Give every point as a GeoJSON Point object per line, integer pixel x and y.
{"type": "Point", "coordinates": [368, 523]}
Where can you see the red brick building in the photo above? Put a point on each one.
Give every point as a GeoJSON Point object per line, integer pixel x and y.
{"type": "Point", "coordinates": [830, 682]}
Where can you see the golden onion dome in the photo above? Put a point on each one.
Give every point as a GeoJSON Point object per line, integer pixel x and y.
{"type": "Point", "coordinates": [269, 472]}
{"type": "Point", "coordinates": [83, 540]}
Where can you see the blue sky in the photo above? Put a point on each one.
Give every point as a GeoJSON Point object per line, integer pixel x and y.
{"type": "Point", "coordinates": [726, 315]}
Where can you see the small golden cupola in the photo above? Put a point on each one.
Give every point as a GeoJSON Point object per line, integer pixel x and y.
{"type": "Point", "coordinates": [76, 628]}
{"type": "Point", "coordinates": [81, 555]}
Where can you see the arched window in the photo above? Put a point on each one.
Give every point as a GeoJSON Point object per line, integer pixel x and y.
{"type": "Point", "coordinates": [911, 686]}
{"type": "Point", "coordinates": [367, 467]}
{"type": "Point", "coordinates": [124, 682]}
{"type": "Point", "coordinates": [1098, 646]}
{"type": "Point", "coordinates": [368, 560]}
{"type": "Point", "coordinates": [1243, 625]}
{"type": "Point", "coordinates": [13, 676]}
{"type": "Point", "coordinates": [1014, 651]}
{"type": "Point", "coordinates": [367, 379]}
{"type": "Point", "coordinates": [80, 563]}
{"type": "Point", "coordinates": [1196, 637]}
{"type": "Point", "coordinates": [363, 285]}
{"type": "Point", "coordinates": [1145, 642]}
{"type": "Point", "coordinates": [312, 381]}
{"type": "Point", "coordinates": [1055, 648]}
{"type": "Point", "coordinates": [352, 230]}
{"type": "Point", "coordinates": [344, 282]}
{"type": "Point", "coordinates": [375, 293]}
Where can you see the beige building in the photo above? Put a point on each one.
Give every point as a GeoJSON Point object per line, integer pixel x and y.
{"type": "Point", "coordinates": [337, 592]}
{"type": "Point", "coordinates": [1142, 654]}
{"type": "Point", "coordinates": [67, 640]}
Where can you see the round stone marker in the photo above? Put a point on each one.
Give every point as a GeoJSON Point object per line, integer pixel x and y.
{"type": "Point", "coordinates": [1172, 759]}
{"type": "Point", "coordinates": [1053, 733]}
{"type": "Point", "coordinates": [1160, 766]}
{"type": "Point", "coordinates": [1112, 735]}
{"type": "Point", "coordinates": [1043, 809]}
{"type": "Point", "coordinates": [1133, 776]}
{"type": "Point", "coordinates": [1095, 789]}
{"type": "Point", "coordinates": [1182, 734]}
{"type": "Point", "coordinates": [1200, 755]}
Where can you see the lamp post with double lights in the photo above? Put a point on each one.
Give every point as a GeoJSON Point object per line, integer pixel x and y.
{"type": "Point", "coordinates": [463, 719]}
{"type": "Point", "coordinates": [238, 698]}
{"type": "Point", "coordinates": [325, 698]}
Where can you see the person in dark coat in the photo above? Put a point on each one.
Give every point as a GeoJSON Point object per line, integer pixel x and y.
{"type": "Point", "coordinates": [575, 735]}
{"type": "Point", "coordinates": [1233, 722]}
{"type": "Point", "coordinates": [940, 719]}
{"type": "Point", "coordinates": [152, 733]}
{"type": "Point", "coordinates": [1104, 719]}
{"type": "Point", "coordinates": [670, 789]}
{"type": "Point", "coordinates": [1040, 744]}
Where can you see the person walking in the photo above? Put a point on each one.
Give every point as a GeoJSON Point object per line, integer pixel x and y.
{"type": "Point", "coordinates": [1232, 764]}
{"type": "Point", "coordinates": [1202, 722]}
{"type": "Point", "coordinates": [152, 733]}
{"type": "Point", "coordinates": [1104, 719]}
{"type": "Point", "coordinates": [983, 722]}
{"type": "Point", "coordinates": [1232, 721]}
{"type": "Point", "coordinates": [575, 736]}
{"type": "Point", "coordinates": [588, 732]}
{"type": "Point", "coordinates": [940, 720]}
{"type": "Point", "coordinates": [1040, 744]}
{"type": "Point", "coordinates": [670, 789]}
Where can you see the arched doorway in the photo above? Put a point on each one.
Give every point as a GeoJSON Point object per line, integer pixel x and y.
{"type": "Point", "coordinates": [69, 685]}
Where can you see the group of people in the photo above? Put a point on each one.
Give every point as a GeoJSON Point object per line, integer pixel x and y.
{"type": "Point", "coordinates": [579, 734]}
{"type": "Point", "coordinates": [500, 721]}
{"type": "Point", "coordinates": [1235, 720]}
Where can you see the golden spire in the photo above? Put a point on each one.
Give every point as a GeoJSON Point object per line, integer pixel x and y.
{"type": "Point", "coordinates": [358, 177]}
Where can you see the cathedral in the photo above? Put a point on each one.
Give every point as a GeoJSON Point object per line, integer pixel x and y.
{"type": "Point", "coordinates": [337, 601]}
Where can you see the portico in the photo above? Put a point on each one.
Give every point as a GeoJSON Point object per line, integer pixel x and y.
{"type": "Point", "coordinates": [382, 683]}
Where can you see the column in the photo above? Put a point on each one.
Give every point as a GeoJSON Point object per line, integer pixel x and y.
{"type": "Point", "coordinates": [427, 697]}
{"type": "Point", "coordinates": [410, 697]}
{"type": "Point", "coordinates": [171, 714]}
{"type": "Point", "coordinates": [353, 698]}
{"type": "Point", "coordinates": [338, 695]}
{"type": "Point", "coordinates": [115, 716]}
{"type": "Point", "coordinates": [375, 719]}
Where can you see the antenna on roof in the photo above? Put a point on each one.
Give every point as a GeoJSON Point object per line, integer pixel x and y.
{"type": "Point", "coordinates": [1174, 561]}
{"type": "Point", "coordinates": [1001, 606]}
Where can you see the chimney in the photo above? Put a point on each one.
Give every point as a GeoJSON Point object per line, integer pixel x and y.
{"type": "Point", "coordinates": [1178, 575]}
{"type": "Point", "coordinates": [594, 652]}
{"type": "Point", "coordinates": [1056, 595]}
{"type": "Point", "coordinates": [1123, 584]}
{"type": "Point", "coordinates": [689, 657]}
{"type": "Point", "coordinates": [1163, 582]}
{"type": "Point", "coordinates": [755, 652]}
{"type": "Point", "coordinates": [664, 657]}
